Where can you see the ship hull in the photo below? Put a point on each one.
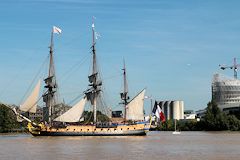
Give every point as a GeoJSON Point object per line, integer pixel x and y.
{"type": "Point", "coordinates": [122, 130]}
{"type": "Point", "coordinates": [128, 133]}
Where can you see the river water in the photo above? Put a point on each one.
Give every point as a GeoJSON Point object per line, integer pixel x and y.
{"type": "Point", "coordinates": [156, 145]}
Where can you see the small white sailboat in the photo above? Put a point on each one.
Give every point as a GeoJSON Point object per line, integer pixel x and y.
{"type": "Point", "coordinates": [175, 126]}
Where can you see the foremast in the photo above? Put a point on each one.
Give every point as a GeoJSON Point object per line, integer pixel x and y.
{"type": "Point", "coordinates": [124, 94]}
{"type": "Point", "coordinates": [93, 92]}
{"type": "Point", "coordinates": [50, 83]}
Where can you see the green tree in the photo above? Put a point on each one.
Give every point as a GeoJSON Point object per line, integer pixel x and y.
{"type": "Point", "coordinates": [88, 116]}
{"type": "Point", "coordinates": [233, 123]}
{"type": "Point", "coordinates": [216, 120]}
{"type": "Point", "coordinates": [8, 120]}
{"type": "Point", "coordinates": [168, 125]}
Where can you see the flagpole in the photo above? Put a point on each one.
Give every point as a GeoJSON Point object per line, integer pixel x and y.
{"type": "Point", "coordinates": [93, 35]}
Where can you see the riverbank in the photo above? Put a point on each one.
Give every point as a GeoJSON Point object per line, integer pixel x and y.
{"type": "Point", "coordinates": [214, 120]}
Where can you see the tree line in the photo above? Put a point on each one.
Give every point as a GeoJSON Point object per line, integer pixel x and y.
{"type": "Point", "coordinates": [214, 120]}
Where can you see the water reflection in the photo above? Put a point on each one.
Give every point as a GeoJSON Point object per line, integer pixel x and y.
{"type": "Point", "coordinates": [157, 145]}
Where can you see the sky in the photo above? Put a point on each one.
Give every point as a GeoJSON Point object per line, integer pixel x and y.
{"type": "Point", "coordinates": [171, 48]}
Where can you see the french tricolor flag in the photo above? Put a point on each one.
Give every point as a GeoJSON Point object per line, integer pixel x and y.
{"type": "Point", "coordinates": [158, 112]}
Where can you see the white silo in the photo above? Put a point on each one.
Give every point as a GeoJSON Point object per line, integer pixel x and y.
{"type": "Point", "coordinates": [176, 108]}
{"type": "Point", "coordinates": [172, 109]}
{"type": "Point", "coordinates": [181, 110]}
{"type": "Point", "coordinates": [167, 105]}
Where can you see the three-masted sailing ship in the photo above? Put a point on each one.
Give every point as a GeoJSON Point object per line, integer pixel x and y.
{"type": "Point", "coordinates": [133, 122]}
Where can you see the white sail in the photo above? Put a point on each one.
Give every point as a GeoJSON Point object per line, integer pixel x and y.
{"type": "Point", "coordinates": [30, 104]}
{"type": "Point", "coordinates": [135, 107]}
{"type": "Point", "coordinates": [74, 114]}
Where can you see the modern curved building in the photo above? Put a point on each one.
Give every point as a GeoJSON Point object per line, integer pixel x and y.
{"type": "Point", "coordinates": [226, 92]}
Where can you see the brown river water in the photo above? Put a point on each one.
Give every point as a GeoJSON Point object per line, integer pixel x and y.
{"type": "Point", "coordinates": [154, 146]}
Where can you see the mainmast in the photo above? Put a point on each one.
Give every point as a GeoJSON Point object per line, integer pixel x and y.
{"type": "Point", "coordinates": [124, 94]}
{"type": "Point", "coordinates": [50, 95]}
{"type": "Point", "coordinates": [94, 80]}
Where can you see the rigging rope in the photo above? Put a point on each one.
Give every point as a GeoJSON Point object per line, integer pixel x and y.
{"type": "Point", "coordinates": [77, 64]}
{"type": "Point", "coordinates": [33, 80]}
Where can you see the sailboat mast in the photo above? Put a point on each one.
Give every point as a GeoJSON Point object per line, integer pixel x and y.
{"type": "Point", "coordinates": [94, 71]}
{"type": "Point", "coordinates": [94, 80]}
{"type": "Point", "coordinates": [50, 74]}
{"type": "Point", "coordinates": [94, 68]}
{"type": "Point", "coordinates": [50, 97]}
{"type": "Point", "coordinates": [51, 65]}
{"type": "Point", "coordinates": [124, 95]}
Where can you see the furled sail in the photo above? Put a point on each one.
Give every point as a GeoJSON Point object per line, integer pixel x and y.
{"type": "Point", "coordinates": [74, 114]}
{"type": "Point", "coordinates": [135, 107]}
{"type": "Point", "coordinates": [30, 104]}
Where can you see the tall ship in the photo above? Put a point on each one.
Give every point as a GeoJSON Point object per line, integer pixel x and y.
{"type": "Point", "coordinates": [71, 122]}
